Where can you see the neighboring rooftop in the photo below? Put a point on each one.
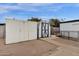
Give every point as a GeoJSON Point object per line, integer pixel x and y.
{"type": "Point", "coordinates": [70, 21]}
{"type": "Point", "coordinates": [2, 23]}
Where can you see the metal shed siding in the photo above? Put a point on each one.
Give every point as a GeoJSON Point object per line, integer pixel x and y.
{"type": "Point", "coordinates": [32, 30]}
{"type": "Point", "coordinates": [2, 31]}
{"type": "Point", "coordinates": [17, 31]}
{"type": "Point", "coordinates": [71, 27]}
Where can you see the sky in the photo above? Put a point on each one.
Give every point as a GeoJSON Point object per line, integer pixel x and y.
{"type": "Point", "coordinates": [45, 11]}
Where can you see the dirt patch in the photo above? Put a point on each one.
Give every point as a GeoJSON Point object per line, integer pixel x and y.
{"type": "Point", "coordinates": [28, 48]}
{"type": "Point", "coordinates": [65, 47]}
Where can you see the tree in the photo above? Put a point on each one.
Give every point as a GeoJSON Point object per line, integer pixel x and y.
{"type": "Point", "coordinates": [34, 19]}
{"type": "Point", "coordinates": [55, 22]}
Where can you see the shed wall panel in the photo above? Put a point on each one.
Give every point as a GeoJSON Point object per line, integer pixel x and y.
{"type": "Point", "coordinates": [2, 30]}
{"type": "Point", "coordinates": [72, 28]}
{"type": "Point", "coordinates": [17, 30]}
{"type": "Point", "coordinates": [32, 29]}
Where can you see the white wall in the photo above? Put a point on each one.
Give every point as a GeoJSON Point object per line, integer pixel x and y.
{"type": "Point", "coordinates": [40, 29]}
{"type": "Point", "coordinates": [32, 30]}
{"type": "Point", "coordinates": [72, 27]}
{"type": "Point", "coordinates": [17, 31]}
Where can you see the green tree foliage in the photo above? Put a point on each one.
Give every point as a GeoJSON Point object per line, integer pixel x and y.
{"type": "Point", "coordinates": [34, 19]}
{"type": "Point", "coordinates": [55, 22]}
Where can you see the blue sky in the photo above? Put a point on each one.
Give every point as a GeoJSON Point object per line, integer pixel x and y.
{"type": "Point", "coordinates": [45, 11]}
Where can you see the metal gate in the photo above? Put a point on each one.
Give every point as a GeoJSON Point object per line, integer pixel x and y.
{"type": "Point", "coordinates": [44, 29]}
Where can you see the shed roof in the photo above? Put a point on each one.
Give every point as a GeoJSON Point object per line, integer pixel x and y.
{"type": "Point", "coordinates": [70, 21]}
{"type": "Point", "coordinates": [2, 23]}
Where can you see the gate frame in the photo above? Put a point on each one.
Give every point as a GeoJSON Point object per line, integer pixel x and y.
{"type": "Point", "coordinates": [46, 31]}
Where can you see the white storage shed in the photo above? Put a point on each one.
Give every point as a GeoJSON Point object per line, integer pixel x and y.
{"type": "Point", "coordinates": [70, 28]}
{"type": "Point", "coordinates": [19, 30]}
